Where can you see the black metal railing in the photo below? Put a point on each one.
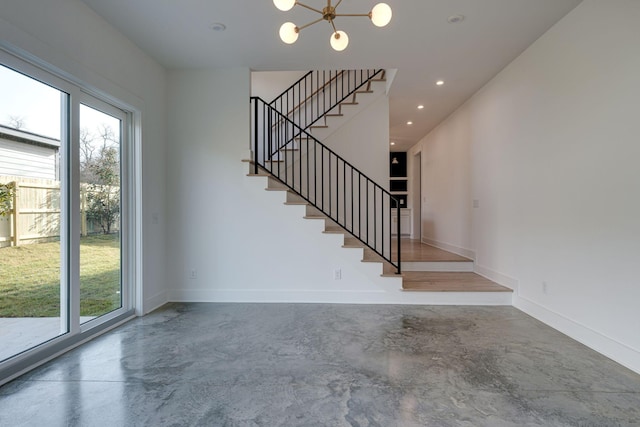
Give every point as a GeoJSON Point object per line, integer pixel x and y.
{"type": "Point", "coordinates": [325, 180]}
{"type": "Point", "coordinates": [318, 93]}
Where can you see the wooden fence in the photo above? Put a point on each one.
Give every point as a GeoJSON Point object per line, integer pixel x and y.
{"type": "Point", "coordinates": [35, 214]}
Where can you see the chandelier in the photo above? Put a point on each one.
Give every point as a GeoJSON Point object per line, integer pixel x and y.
{"type": "Point", "coordinates": [380, 16]}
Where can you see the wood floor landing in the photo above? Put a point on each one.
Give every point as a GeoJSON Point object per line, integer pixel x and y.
{"type": "Point", "coordinates": [448, 282]}
{"type": "Point", "coordinates": [416, 251]}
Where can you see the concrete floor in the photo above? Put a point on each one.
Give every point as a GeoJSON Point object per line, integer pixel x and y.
{"type": "Point", "coordinates": [327, 365]}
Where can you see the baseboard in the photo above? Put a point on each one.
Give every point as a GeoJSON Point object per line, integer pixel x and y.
{"type": "Point", "coordinates": [155, 302]}
{"type": "Point", "coordinates": [467, 253]}
{"type": "Point", "coordinates": [614, 350]}
{"type": "Point", "coordinates": [494, 276]}
{"type": "Point", "coordinates": [395, 296]}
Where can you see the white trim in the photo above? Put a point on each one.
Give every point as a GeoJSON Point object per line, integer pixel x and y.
{"type": "Point", "coordinates": [397, 296]}
{"type": "Point", "coordinates": [494, 276]}
{"type": "Point", "coordinates": [136, 272]}
{"type": "Point", "coordinates": [154, 303]}
{"type": "Point", "coordinates": [617, 351]}
{"type": "Point", "coordinates": [467, 253]}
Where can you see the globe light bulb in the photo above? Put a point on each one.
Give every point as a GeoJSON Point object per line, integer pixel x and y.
{"type": "Point", "coordinates": [380, 14]}
{"type": "Point", "coordinates": [339, 40]}
{"type": "Point", "coordinates": [284, 5]}
{"type": "Point", "coordinates": [289, 32]}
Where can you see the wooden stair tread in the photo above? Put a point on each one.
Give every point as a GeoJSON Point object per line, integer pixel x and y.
{"type": "Point", "coordinates": [334, 231]}
{"type": "Point", "coordinates": [416, 251]}
{"type": "Point", "coordinates": [449, 282]}
{"type": "Point", "coordinates": [315, 217]}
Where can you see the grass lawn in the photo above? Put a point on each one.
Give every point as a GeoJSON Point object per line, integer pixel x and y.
{"type": "Point", "coordinates": [30, 278]}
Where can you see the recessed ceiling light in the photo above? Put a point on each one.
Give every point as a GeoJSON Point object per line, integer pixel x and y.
{"type": "Point", "coordinates": [409, 123]}
{"type": "Point", "coordinates": [420, 107]}
{"type": "Point", "coordinates": [218, 26]}
{"type": "Point", "coordinates": [440, 82]}
{"type": "Point", "coordinates": [393, 143]}
{"type": "Point", "coordinates": [455, 19]}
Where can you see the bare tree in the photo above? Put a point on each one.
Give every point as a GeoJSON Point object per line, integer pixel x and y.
{"type": "Point", "coordinates": [100, 169]}
{"type": "Point", "coordinates": [17, 122]}
{"type": "Point", "coordinates": [93, 146]}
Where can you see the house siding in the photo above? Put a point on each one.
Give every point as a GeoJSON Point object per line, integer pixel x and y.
{"type": "Point", "coordinates": [33, 161]}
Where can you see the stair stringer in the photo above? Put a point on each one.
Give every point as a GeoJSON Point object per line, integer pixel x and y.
{"type": "Point", "coordinates": [311, 280]}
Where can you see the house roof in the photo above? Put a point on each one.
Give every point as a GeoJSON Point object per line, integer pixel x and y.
{"type": "Point", "coordinates": [419, 42]}
{"type": "Point", "coordinates": [18, 135]}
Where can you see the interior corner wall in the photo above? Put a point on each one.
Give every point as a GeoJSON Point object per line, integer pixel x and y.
{"type": "Point", "coordinates": [69, 36]}
{"type": "Point", "coordinates": [446, 185]}
{"type": "Point", "coordinates": [553, 148]}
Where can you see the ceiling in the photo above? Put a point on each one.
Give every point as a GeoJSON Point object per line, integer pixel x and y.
{"type": "Point", "coordinates": [419, 42]}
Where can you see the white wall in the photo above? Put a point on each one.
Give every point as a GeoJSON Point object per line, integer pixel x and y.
{"type": "Point", "coordinates": [363, 138]}
{"type": "Point", "coordinates": [553, 143]}
{"type": "Point", "coordinates": [270, 84]}
{"type": "Point", "coordinates": [69, 36]}
{"type": "Point", "coordinates": [446, 185]}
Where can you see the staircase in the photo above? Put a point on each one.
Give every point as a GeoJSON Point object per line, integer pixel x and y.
{"type": "Point", "coordinates": [286, 153]}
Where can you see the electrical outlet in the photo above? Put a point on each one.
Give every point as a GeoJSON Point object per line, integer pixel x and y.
{"type": "Point", "coordinates": [337, 274]}
{"type": "Point", "coordinates": [193, 274]}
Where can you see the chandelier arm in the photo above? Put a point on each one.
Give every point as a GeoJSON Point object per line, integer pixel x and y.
{"type": "Point", "coordinates": [309, 7]}
{"type": "Point", "coordinates": [354, 14]}
{"type": "Point", "coordinates": [334, 26]}
{"type": "Point", "coordinates": [309, 24]}
{"type": "Point", "coordinates": [337, 4]}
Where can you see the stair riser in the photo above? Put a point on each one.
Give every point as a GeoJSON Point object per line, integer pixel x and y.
{"type": "Point", "coordinates": [438, 266]}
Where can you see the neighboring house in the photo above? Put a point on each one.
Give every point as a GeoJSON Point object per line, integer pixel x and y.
{"type": "Point", "coordinates": [28, 154]}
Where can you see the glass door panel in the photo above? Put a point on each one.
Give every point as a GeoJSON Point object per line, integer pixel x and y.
{"type": "Point", "coordinates": [33, 285]}
{"type": "Point", "coordinates": [100, 213]}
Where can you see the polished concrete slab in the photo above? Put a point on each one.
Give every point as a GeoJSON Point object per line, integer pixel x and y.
{"type": "Point", "coordinates": [327, 365]}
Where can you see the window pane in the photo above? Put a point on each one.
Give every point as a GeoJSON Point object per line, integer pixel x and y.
{"type": "Point", "coordinates": [30, 213]}
{"type": "Point", "coordinates": [100, 254]}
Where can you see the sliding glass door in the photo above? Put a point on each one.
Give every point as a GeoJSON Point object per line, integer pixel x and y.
{"type": "Point", "coordinates": [33, 286]}
{"type": "Point", "coordinates": [65, 216]}
{"type": "Point", "coordinates": [100, 207]}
